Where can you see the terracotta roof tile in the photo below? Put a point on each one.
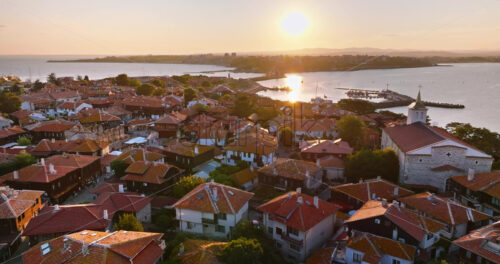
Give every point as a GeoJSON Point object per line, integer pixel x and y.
{"type": "Point", "coordinates": [365, 190]}
{"type": "Point", "coordinates": [302, 216]}
{"type": "Point", "coordinates": [483, 242]}
{"type": "Point", "coordinates": [375, 248]}
{"type": "Point", "coordinates": [229, 199]}
{"type": "Point", "coordinates": [291, 168]}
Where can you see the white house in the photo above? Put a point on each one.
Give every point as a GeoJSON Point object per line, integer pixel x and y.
{"type": "Point", "coordinates": [298, 223]}
{"type": "Point", "coordinates": [212, 209]}
{"type": "Point", "coordinates": [255, 147]}
{"type": "Point", "coordinates": [429, 155]}
{"type": "Point", "coordinates": [365, 248]}
{"type": "Point", "coordinates": [5, 122]}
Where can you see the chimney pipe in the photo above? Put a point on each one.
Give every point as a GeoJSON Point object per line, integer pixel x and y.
{"type": "Point", "coordinates": [384, 202]}
{"type": "Point", "coordinates": [214, 192]}
{"type": "Point", "coordinates": [300, 200]}
{"type": "Point", "coordinates": [105, 214]}
{"type": "Point", "coordinates": [16, 175]}
{"type": "Point", "coordinates": [120, 188]}
{"type": "Point", "coordinates": [56, 207]}
{"type": "Point", "coordinates": [396, 191]}
{"type": "Point", "coordinates": [42, 161]}
{"type": "Point", "coordinates": [318, 163]}
{"type": "Point", "coordinates": [470, 176]}
{"type": "Point", "coordinates": [299, 190]}
{"type": "Point", "coordinates": [316, 201]}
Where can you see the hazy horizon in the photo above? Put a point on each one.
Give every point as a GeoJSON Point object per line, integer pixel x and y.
{"type": "Point", "coordinates": [99, 28]}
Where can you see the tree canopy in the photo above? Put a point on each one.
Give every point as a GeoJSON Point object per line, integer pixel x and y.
{"type": "Point", "coordinates": [357, 106]}
{"type": "Point", "coordinates": [128, 222]}
{"type": "Point", "coordinates": [22, 160]}
{"type": "Point", "coordinates": [286, 136]}
{"type": "Point", "coordinates": [122, 79]}
{"type": "Point", "coordinates": [481, 138]}
{"type": "Point", "coordinates": [53, 79]}
{"type": "Point", "coordinates": [222, 174]}
{"type": "Point", "coordinates": [37, 86]}
{"type": "Point", "coordinates": [9, 102]}
{"type": "Point", "coordinates": [351, 129]}
{"type": "Point", "coordinates": [158, 83]}
{"type": "Point", "coordinates": [242, 251]}
{"type": "Point", "coordinates": [189, 94]}
{"type": "Point", "coordinates": [185, 185]}
{"type": "Point", "coordinates": [367, 164]}
{"type": "Point", "coordinates": [24, 141]}
{"type": "Point", "coordinates": [119, 167]}
{"type": "Point", "coordinates": [145, 89]}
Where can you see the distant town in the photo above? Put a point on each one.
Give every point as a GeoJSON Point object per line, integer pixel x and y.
{"type": "Point", "coordinates": [198, 169]}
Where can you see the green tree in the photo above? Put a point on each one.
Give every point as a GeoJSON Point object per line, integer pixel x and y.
{"type": "Point", "coordinates": [22, 160]}
{"type": "Point", "coordinates": [165, 221]}
{"type": "Point", "coordinates": [52, 79]}
{"type": "Point", "coordinates": [286, 136]}
{"type": "Point", "coordinates": [9, 102]}
{"type": "Point", "coordinates": [481, 138]}
{"type": "Point", "coordinates": [226, 97]}
{"type": "Point", "coordinates": [351, 129]}
{"type": "Point", "coordinates": [189, 95]}
{"type": "Point", "coordinates": [134, 83]}
{"type": "Point", "coordinates": [159, 91]}
{"type": "Point", "coordinates": [158, 83]}
{"type": "Point", "coordinates": [357, 106]}
{"type": "Point", "coordinates": [24, 141]}
{"type": "Point", "coordinates": [182, 79]}
{"type": "Point", "coordinates": [128, 222]}
{"type": "Point", "coordinates": [122, 79]}
{"type": "Point", "coordinates": [145, 89]}
{"type": "Point", "coordinates": [243, 105]}
{"type": "Point", "coordinates": [205, 84]}
{"type": "Point", "coordinates": [37, 86]}
{"type": "Point", "coordinates": [185, 185]}
{"type": "Point", "coordinates": [367, 164]}
{"type": "Point", "coordinates": [242, 251]}
{"type": "Point", "coordinates": [119, 167]}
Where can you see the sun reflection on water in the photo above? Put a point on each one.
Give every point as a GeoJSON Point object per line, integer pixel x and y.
{"type": "Point", "coordinates": [294, 83]}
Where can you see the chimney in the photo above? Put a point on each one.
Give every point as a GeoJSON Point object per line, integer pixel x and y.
{"type": "Point", "coordinates": [360, 180]}
{"type": "Point", "coordinates": [299, 200]}
{"type": "Point", "coordinates": [42, 161]}
{"type": "Point", "coordinates": [56, 208]}
{"type": "Point", "coordinates": [395, 204]}
{"type": "Point", "coordinates": [318, 163]}
{"type": "Point", "coordinates": [379, 178]}
{"type": "Point", "coordinates": [16, 175]}
{"type": "Point", "coordinates": [251, 167]}
{"type": "Point", "coordinates": [51, 169]}
{"type": "Point", "coordinates": [105, 214]}
{"type": "Point", "coordinates": [120, 188]}
{"type": "Point", "coordinates": [307, 174]}
{"type": "Point", "coordinates": [299, 190]}
{"type": "Point", "coordinates": [196, 150]}
{"type": "Point", "coordinates": [214, 194]}
{"type": "Point", "coordinates": [108, 169]}
{"type": "Point", "coordinates": [430, 197]}
{"type": "Point", "coordinates": [374, 196]}
{"type": "Point", "coordinates": [66, 244]}
{"type": "Point", "coordinates": [470, 176]}
{"type": "Point", "coordinates": [396, 191]}
{"type": "Point", "coordinates": [53, 140]}
{"type": "Point", "coordinates": [384, 202]}
{"type": "Point", "coordinates": [289, 195]}
{"type": "Point", "coordinates": [316, 202]}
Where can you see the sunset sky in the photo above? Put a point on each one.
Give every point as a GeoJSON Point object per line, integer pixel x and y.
{"type": "Point", "coordinates": [188, 26]}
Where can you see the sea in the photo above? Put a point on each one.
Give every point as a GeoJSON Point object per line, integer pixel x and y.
{"type": "Point", "coordinates": [475, 85]}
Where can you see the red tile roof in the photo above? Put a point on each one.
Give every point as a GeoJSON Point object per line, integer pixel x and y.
{"type": "Point", "coordinates": [443, 210]}
{"type": "Point", "coordinates": [150, 172]}
{"type": "Point", "coordinates": [336, 147]}
{"type": "Point", "coordinates": [139, 154]}
{"type": "Point", "coordinates": [291, 168]}
{"type": "Point", "coordinates": [13, 203]}
{"type": "Point", "coordinates": [375, 248]}
{"type": "Point", "coordinates": [415, 225]}
{"type": "Point", "coordinates": [67, 218]}
{"type": "Point", "coordinates": [365, 190]}
{"type": "Point", "coordinates": [71, 160]}
{"type": "Point", "coordinates": [302, 216]}
{"type": "Point", "coordinates": [413, 136]}
{"type": "Point", "coordinates": [119, 247]}
{"type": "Point", "coordinates": [38, 173]}
{"type": "Point", "coordinates": [51, 126]}
{"type": "Point", "coordinates": [122, 202]}
{"type": "Point", "coordinates": [214, 198]}
{"type": "Point", "coordinates": [486, 182]}
{"type": "Point", "coordinates": [484, 242]}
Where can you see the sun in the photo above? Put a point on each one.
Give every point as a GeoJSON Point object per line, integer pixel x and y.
{"type": "Point", "coordinates": [294, 23]}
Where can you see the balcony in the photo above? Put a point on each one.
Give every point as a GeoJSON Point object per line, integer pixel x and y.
{"type": "Point", "coordinates": [292, 240]}
{"type": "Point", "coordinates": [209, 221]}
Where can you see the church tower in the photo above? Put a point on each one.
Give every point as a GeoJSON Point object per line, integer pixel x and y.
{"type": "Point", "coordinates": [417, 112]}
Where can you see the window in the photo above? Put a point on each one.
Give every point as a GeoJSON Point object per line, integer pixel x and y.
{"type": "Point", "coordinates": [190, 225]}
{"type": "Point", "coordinates": [270, 230]}
{"type": "Point", "coordinates": [295, 247]}
{"type": "Point", "coordinates": [356, 258]}
{"type": "Point", "coordinates": [468, 254]}
{"type": "Point", "coordinates": [145, 184]}
{"type": "Point", "coordinates": [495, 202]}
{"type": "Point", "coordinates": [395, 261]}
{"type": "Point", "coordinates": [292, 230]}
{"type": "Point", "coordinates": [220, 229]}
{"type": "Point", "coordinates": [377, 221]}
{"type": "Point", "coordinates": [278, 231]}
{"type": "Point", "coordinates": [222, 216]}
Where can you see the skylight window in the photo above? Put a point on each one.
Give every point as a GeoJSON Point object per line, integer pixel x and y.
{"type": "Point", "coordinates": [45, 249]}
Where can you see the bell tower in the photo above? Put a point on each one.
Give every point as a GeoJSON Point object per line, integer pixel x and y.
{"type": "Point", "coordinates": [417, 112]}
